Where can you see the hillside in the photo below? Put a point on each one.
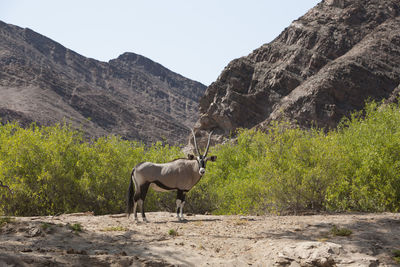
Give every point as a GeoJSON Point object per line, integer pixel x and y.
{"type": "Point", "coordinates": [132, 96]}
{"type": "Point", "coordinates": [323, 66]}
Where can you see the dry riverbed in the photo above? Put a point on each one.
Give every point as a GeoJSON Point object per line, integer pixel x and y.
{"type": "Point", "coordinates": [203, 240]}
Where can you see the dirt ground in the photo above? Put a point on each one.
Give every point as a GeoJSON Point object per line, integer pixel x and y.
{"type": "Point", "coordinates": [202, 240]}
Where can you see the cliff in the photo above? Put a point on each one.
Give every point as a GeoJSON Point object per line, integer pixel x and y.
{"type": "Point", "coordinates": [132, 96]}
{"type": "Point", "coordinates": [322, 67]}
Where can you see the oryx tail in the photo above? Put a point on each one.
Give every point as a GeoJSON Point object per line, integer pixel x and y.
{"type": "Point", "coordinates": [129, 202]}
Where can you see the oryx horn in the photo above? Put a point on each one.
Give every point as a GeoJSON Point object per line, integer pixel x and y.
{"type": "Point", "coordinates": [208, 144]}
{"type": "Point", "coordinates": [195, 144]}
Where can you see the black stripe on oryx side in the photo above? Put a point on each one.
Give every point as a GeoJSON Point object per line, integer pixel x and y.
{"type": "Point", "coordinates": [163, 186]}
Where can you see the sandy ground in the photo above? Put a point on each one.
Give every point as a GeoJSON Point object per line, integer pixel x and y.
{"type": "Point", "coordinates": [202, 240]}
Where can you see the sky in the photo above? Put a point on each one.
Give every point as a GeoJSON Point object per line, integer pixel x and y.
{"type": "Point", "coordinates": [196, 39]}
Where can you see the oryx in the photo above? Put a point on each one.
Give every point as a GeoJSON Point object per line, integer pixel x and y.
{"type": "Point", "coordinates": [179, 174]}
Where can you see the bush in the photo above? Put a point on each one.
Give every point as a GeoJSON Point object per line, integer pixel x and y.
{"type": "Point", "coordinates": [286, 170]}
{"type": "Point", "coordinates": [290, 170]}
{"type": "Point", "coordinates": [368, 162]}
{"type": "Point", "coordinates": [279, 171]}
{"type": "Point", "coordinates": [55, 170]}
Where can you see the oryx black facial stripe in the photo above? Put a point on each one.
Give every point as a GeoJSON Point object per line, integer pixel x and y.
{"type": "Point", "coordinates": [202, 163]}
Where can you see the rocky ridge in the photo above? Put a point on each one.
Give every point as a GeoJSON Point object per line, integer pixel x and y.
{"type": "Point", "coordinates": [132, 96]}
{"type": "Point", "coordinates": [322, 67]}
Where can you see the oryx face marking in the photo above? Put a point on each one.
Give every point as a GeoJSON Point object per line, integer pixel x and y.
{"type": "Point", "coordinates": [202, 165]}
{"type": "Point", "coordinates": [180, 175]}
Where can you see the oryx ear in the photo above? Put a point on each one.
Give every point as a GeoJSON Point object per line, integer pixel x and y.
{"type": "Point", "coordinates": [190, 156]}
{"type": "Point", "coordinates": [212, 158]}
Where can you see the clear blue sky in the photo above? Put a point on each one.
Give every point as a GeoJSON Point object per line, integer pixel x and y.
{"type": "Point", "coordinates": [194, 38]}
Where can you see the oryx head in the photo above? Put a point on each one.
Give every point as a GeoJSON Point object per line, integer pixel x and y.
{"type": "Point", "coordinates": [202, 159]}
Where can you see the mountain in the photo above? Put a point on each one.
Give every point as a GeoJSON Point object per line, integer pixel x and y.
{"type": "Point", "coordinates": [42, 81]}
{"type": "Point", "coordinates": [322, 67]}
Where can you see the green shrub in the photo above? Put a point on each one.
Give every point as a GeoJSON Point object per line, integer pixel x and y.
{"type": "Point", "coordinates": [53, 170]}
{"type": "Point", "coordinates": [368, 162]}
{"type": "Point", "coordinates": [290, 170]}
{"type": "Point", "coordinates": [173, 232]}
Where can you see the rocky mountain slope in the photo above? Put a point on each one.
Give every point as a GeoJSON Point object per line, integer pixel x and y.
{"type": "Point", "coordinates": [323, 66]}
{"type": "Point", "coordinates": [42, 81]}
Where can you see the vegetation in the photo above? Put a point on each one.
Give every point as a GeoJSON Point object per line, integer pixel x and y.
{"type": "Point", "coordinates": [76, 227]}
{"type": "Point", "coordinates": [288, 170]}
{"type": "Point", "coordinates": [355, 167]}
{"type": "Point", "coordinates": [173, 232]}
{"type": "Point", "coordinates": [45, 226]}
{"type": "Point", "coordinates": [396, 255]}
{"type": "Point", "coordinates": [6, 220]}
{"type": "Point", "coordinates": [335, 231]}
{"type": "Point", "coordinates": [53, 170]}
{"type": "Point", "coordinates": [114, 229]}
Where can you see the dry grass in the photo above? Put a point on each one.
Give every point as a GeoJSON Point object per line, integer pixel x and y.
{"type": "Point", "coordinates": [240, 221]}
{"type": "Point", "coordinates": [6, 220]}
{"type": "Point", "coordinates": [114, 229]}
{"type": "Point", "coordinates": [335, 231]}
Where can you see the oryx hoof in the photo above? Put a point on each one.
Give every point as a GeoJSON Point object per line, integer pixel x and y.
{"type": "Point", "coordinates": [181, 219]}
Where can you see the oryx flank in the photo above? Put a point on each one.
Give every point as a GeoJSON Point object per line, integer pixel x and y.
{"type": "Point", "coordinates": [180, 175]}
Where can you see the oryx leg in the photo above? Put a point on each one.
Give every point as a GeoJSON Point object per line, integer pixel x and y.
{"type": "Point", "coordinates": [136, 198]}
{"type": "Point", "coordinates": [143, 193]}
{"type": "Point", "coordinates": [180, 202]}
{"type": "Point", "coordinates": [134, 210]}
{"type": "Point", "coordinates": [136, 195]}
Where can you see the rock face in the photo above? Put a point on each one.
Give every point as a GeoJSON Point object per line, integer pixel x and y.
{"type": "Point", "coordinates": [322, 67]}
{"type": "Point", "coordinates": [42, 81]}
